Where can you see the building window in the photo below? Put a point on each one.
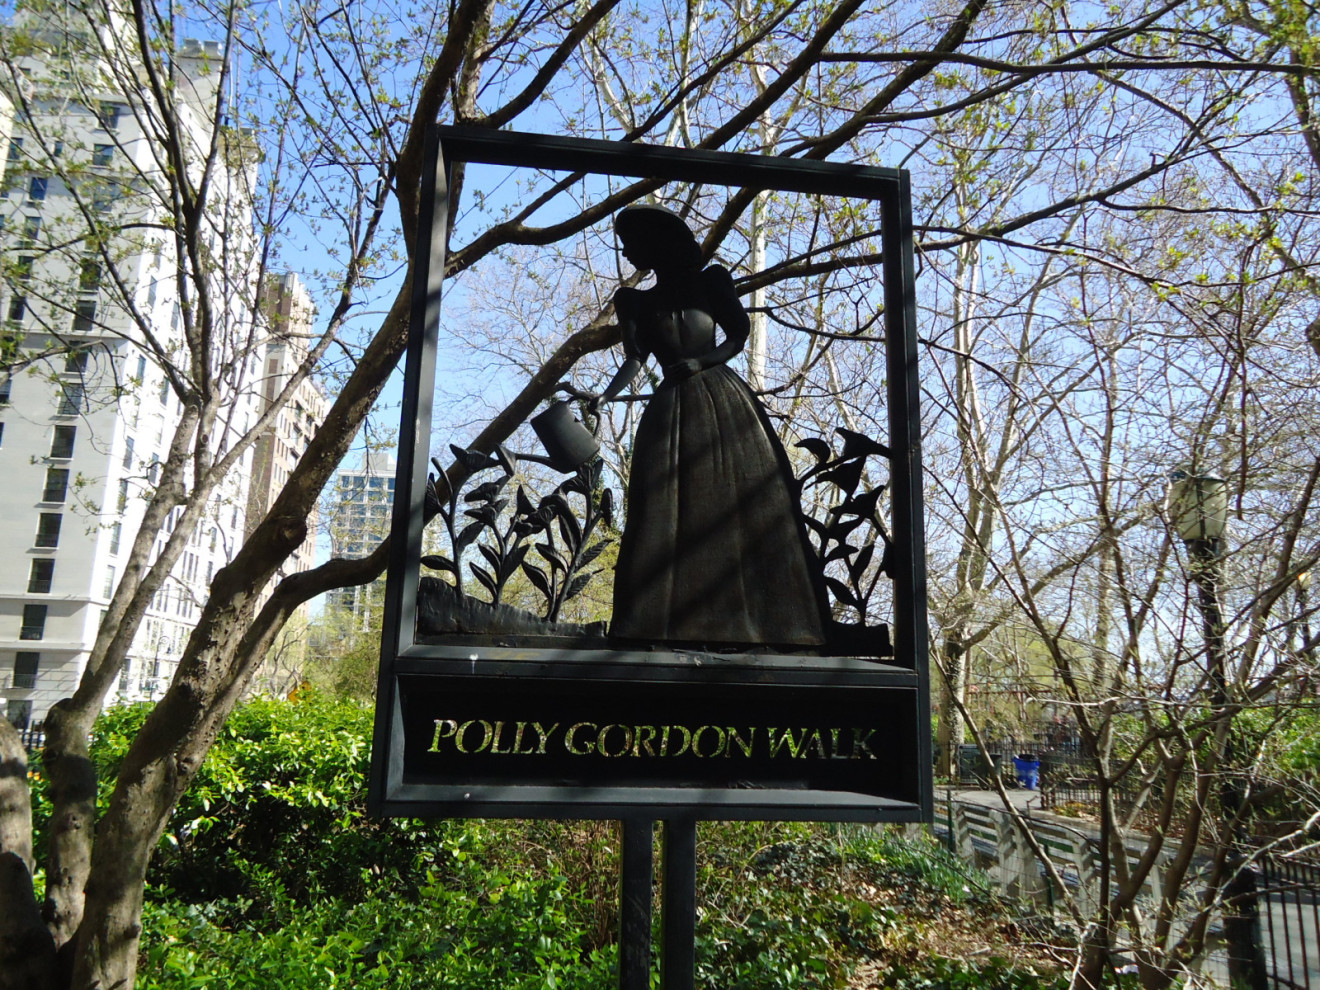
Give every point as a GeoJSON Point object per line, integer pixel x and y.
{"type": "Point", "coordinates": [165, 391]}
{"type": "Point", "coordinates": [15, 150]}
{"type": "Point", "coordinates": [141, 375]}
{"type": "Point", "coordinates": [26, 663]}
{"type": "Point", "coordinates": [57, 485]}
{"type": "Point", "coordinates": [123, 495]}
{"type": "Point", "coordinates": [153, 469]}
{"type": "Point", "coordinates": [17, 309]}
{"type": "Point", "coordinates": [84, 316]}
{"type": "Point", "coordinates": [37, 188]}
{"type": "Point", "coordinates": [48, 530]}
{"type": "Point", "coordinates": [31, 228]}
{"type": "Point", "coordinates": [71, 399]}
{"type": "Point", "coordinates": [89, 275]}
{"type": "Point", "coordinates": [23, 267]}
{"type": "Point", "coordinates": [103, 154]}
{"type": "Point", "coordinates": [151, 292]}
{"type": "Point", "coordinates": [34, 622]}
{"type": "Point", "coordinates": [109, 588]}
{"type": "Point", "coordinates": [128, 452]}
{"type": "Point", "coordinates": [116, 531]}
{"type": "Point", "coordinates": [19, 713]}
{"type": "Point", "coordinates": [107, 115]}
{"type": "Point", "coordinates": [75, 362]}
{"type": "Point", "coordinates": [61, 446]}
{"type": "Point", "coordinates": [5, 385]}
{"type": "Point", "coordinates": [41, 577]}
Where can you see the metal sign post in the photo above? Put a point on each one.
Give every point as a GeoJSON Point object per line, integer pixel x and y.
{"type": "Point", "coordinates": [483, 711]}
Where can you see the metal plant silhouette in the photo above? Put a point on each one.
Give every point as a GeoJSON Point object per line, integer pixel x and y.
{"type": "Point", "coordinates": [854, 524]}
{"type": "Point", "coordinates": [504, 530]}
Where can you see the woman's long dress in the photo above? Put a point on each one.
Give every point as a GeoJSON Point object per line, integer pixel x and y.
{"type": "Point", "coordinates": [713, 549]}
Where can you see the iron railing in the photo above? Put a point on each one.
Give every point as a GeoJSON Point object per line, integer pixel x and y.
{"type": "Point", "coordinates": [1290, 902]}
{"type": "Point", "coordinates": [34, 737]}
{"type": "Point", "coordinates": [1062, 755]}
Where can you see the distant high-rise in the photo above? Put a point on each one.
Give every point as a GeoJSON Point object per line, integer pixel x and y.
{"type": "Point", "coordinates": [87, 405]}
{"type": "Point", "coordinates": [289, 314]}
{"type": "Point", "coordinates": [363, 500]}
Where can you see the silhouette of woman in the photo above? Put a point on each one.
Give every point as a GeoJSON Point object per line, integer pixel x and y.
{"type": "Point", "coordinates": [713, 550]}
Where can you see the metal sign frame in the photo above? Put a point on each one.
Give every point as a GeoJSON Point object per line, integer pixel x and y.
{"type": "Point", "coordinates": [411, 667]}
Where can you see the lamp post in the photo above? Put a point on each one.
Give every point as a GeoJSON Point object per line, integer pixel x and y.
{"type": "Point", "coordinates": [1198, 506]}
{"type": "Point", "coordinates": [1303, 589]}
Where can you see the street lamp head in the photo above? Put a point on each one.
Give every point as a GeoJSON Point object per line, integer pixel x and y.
{"type": "Point", "coordinates": [1198, 505]}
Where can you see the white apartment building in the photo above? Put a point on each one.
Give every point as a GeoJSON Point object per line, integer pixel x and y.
{"type": "Point", "coordinates": [82, 435]}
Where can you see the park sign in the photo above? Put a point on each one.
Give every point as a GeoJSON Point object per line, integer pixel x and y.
{"type": "Point", "coordinates": [766, 651]}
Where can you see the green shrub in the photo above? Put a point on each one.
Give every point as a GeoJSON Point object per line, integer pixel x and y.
{"type": "Point", "coordinates": [270, 875]}
{"type": "Point", "coordinates": [938, 973]}
{"type": "Point", "coordinates": [517, 936]}
{"type": "Point", "coordinates": [279, 807]}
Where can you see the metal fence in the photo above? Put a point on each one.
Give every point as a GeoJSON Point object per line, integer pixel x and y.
{"type": "Point", "coordinates": [1290, 903]}
{"type": "Point", "coordinates": [1062, 756]}
{"type": "Point", "coordinates": [989, 838]}
{"type": "Point", "coordinates": [34, 737]}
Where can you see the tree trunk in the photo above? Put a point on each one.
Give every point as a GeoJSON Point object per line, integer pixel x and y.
{"type": "Point", "coordinates": [27, 950]}
{"type": "Point", "coordinates": [952, 730]}
{"type": "Point", "coordinates": [1094, 962]}
{"type": "Point", "coordinates": [73, 798]}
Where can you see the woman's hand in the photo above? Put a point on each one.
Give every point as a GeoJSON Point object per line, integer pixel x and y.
{"type": "Point", "coordinates": [682, 370]}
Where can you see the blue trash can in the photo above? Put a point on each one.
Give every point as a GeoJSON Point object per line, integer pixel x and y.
{"type": "Point", "coordinates": [1028, 770]}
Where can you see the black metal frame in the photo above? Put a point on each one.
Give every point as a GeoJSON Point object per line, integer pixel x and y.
{"type": "Point", "coordinates": [402, 655]}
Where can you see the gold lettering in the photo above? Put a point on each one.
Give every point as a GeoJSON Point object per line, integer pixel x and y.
{"type": "Point", "coordinates": [794, 744]}
{"type": "Point", "coordinates": [664, 740]}
{"type": "Point", "coordinates": [627, 740]}
{"type": "Point", "coordinates": [568, 739]}
{"type": "Point", "coordinates": [814, 745]}
{"type": "Point", "coordinates": [696, 741]}
{"type": "Point", "coordinates": [495, 742]}
{"type": "Point", "coordinates": [834, 744]}
{"type": "Point", "coordinates": [461, 735]}
{"type": "Point", "coordinates": [859, 743]}
{"type": "Point", "coordinates": [543, 735]}
{"type": "Point", "coordinates": [440, 733]}
{"type": "Point", "coordinates": [517, 741]}
{"type": "Point", "coordinates": [746, 747]}
{"type": "Point", "coordinates": [642, 740]}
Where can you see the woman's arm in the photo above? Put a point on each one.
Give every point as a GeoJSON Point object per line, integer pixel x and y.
{"type": "Point", "coordinates": [625, 303]}
{"type": "Point", "coordinates": [621, 380]}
